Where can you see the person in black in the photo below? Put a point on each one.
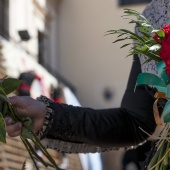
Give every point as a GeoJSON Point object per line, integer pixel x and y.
{"type": "Point", "coordinates": [68, 128]}
{"type": "Point", "coordinates": [87, 129]}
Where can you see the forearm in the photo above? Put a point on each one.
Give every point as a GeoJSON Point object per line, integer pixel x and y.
{"type": "Point", "coordinates": [108, 127]}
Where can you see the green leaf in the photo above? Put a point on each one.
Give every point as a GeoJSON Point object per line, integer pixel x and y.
{"type": "Point", "coordinates": [152, 80]}
{"type": "Point", "coordinates": [147, 61]}
{"type": "Point", "coordinates": [122, 39]}
{"type": "Point", "coordinates": [150, 42]}
{"type": "Point", "coordinates": [143, 48]}
{"type": "Point", "coordinates": [2, 129]}
{"type": "Point", "coordinates": [1, 106]}
{"type": "Point", "coordinates": [139, 16]}
{"type": "Point", "coordinates": [4, 98]}
{"type": "Point", "coordinates": [133, 34]}
{"type": "Point", "coordinates": [10, 84]}
{"type": "Point", "coordinates": [125, 45]}
{"type": "Point", "coordinates": [7, 86]}
{"type": "Point", "coordinates": [26, 134]}
{"type": "Point", "coordinates": [5, 109]}
{"type": "Point", "coordinates": [121, 35]}
{"type": "Point", "coordinates": [162, 72]}
{"type": "Point", "coordinates": [160, 33]}
{"type": "Point", "coordinates": [166, 112]}
{"type": "Point", "coordinates": [12, 112]}
{"type": "Point", "coordinates": [151, 55]}
{"type": "Point", "coordinates": [2, 90]}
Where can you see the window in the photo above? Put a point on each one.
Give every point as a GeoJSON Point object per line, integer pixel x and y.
{"type": "Point", "coordinates": [130, 2]}
{"type": "Point", "coordinates": [41, 47]}
{"type": "Point", "coordinates": [4, 32]}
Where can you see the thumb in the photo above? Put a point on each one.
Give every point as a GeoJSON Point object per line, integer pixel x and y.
{"type": "Point", "coordinates": [15, 100]}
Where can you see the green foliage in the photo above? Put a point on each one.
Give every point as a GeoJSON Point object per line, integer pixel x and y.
{"type": "Point", "coordinates": [144, 43]}
{"type": "Point", "coordinates": [148, 43]}
{"type": "Point", "coordinates": [7, 86]}
{"type": "Point", "coordinates": [151, 80]}
{"type": "Point", "coordinates": [159, 32]}
{"type": "Point", "coordinates": [2, 129]}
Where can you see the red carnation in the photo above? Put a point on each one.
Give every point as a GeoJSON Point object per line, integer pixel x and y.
{"type": "Point", "coordinates": [157, 38]}
{"type": "Point", "coordinates": [166, 29]}
{"type": "Point", "coordinates": [164, 53]}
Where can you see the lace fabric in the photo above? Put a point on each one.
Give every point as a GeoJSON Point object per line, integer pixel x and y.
{"type": "Point", "coordinates": [71, 147]}
{"type": "Point", "coordinates": [158, 13]}
{"type": "Point", "coordinates": [48, 118]}
{"type": "Point", "coordinates": [60, 145]}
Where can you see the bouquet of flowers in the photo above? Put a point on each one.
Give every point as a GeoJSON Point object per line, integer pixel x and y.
{"type": "Point", "coordinates": [155, 44]}
{"type": "Point", "coordinates": [8, 85]}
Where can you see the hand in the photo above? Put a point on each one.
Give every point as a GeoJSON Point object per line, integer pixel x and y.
{"type": "Point", "coordinates": [26, 106]}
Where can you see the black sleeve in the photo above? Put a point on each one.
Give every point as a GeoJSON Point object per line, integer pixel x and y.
{"type": "Point", "coordinates": [115, 127]}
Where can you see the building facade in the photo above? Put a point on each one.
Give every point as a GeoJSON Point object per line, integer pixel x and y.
{"type": "Point", "coordinates": [29, 46]}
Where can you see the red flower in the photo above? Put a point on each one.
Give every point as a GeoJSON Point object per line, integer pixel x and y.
{"type": "Point", "coordinates": [166, 29]}
{"type": "Point", "coordinates": [157, 38]}
{"type": "Point", "coordinates": [164, 53]}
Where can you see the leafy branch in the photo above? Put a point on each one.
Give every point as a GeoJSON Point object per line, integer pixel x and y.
{"type": "Point", "coordinates": [7, 86]}
{"type": "Point", "coordinates": [142, 44]}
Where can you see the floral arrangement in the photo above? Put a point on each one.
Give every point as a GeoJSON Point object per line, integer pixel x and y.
{"type": "Point", "coordinates": [155, 44]}
{"type": "Point", "coordinates": [7, 86]}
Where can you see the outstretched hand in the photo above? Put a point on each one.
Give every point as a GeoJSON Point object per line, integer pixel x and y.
{"type": "Point", "coordinates": [25, 106]}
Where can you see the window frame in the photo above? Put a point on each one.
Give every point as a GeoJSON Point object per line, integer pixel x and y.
{"type": "Point", "coordinates": [132, 2]}
{"type": "Point", "coordinates": [4, 19]}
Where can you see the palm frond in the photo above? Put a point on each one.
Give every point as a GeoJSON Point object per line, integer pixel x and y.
{"type": "Point", "coordinates": [143, 44]}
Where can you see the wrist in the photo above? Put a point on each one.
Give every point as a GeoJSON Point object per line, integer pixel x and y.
{"type": "Point", "coordinates": [47, 120]}
{"type": "Point", "coordinates": [40, 118]}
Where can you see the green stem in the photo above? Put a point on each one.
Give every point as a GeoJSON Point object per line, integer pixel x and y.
{"type": "Point", "coordinates": [30, 153]}
{"type": "Point", "coordinates": [34, 153]}
{"type": "Point", "coordinates": [48, 156]}
{"type": "Point", "coordinates": [38, 144]}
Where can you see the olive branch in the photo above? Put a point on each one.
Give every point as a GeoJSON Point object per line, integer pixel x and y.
{"type": "Point", "coordinates": [7, 86]}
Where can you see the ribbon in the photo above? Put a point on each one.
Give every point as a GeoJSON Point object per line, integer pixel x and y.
{"type": "Point", "coordinates": [158, 95]}
{"type": "Point", "coordinates": [158, 120]}
{"type": "Point", "coordinates": [161, 83]}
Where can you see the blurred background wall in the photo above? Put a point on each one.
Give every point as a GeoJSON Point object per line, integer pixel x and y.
{"type": "Point", "coordinates": [64, 42]}
{"type": "Point", "coordinates": [87, 58]}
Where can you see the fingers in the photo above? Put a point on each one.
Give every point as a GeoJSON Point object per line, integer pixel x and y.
{"type": "Point", "coordinates": [8, 120]}
{"type": "Point", "coordinates": [13, 129]}
{"type": "Point", "coordinates": [15, 100]}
